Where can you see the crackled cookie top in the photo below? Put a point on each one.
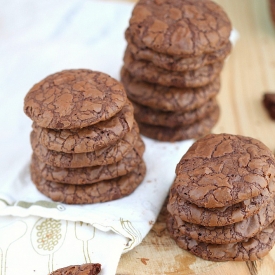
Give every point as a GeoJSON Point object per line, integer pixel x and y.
{"type": "Point", "coordinates": [221, 170]}
{"type": "Point", "coordinates": [74, 99]}
{"type": "Point", "coordinates": [179, 27]}
{"type": "Point", "coordinates": [90, 138]}
{"type": "Point", "coordinates": [177, 63]}
{"type": "Point", "coordinates": [220, 216]}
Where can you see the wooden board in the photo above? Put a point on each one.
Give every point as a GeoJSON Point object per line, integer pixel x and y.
{"type": "Point", "coordinates": [248, 73]}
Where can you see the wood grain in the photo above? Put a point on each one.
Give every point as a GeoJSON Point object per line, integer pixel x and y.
{"type": "Point", "coordinates": [248, 73]}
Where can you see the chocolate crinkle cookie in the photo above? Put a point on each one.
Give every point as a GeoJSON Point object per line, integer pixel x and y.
{"type": "Point", "coordinates": [85, 269]}
{"type": "Point", "coordinates": [85, 140]}
{"type": "Point", "coordinates": [172, 63]}
{"type": "Point", "coordinates": [222, 203]}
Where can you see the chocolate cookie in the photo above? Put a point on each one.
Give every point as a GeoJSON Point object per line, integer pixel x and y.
{"type": "Point", "coordinates": [91, 138]}
{"type": "Point", "coordinates": [248, 250]}
{"type": "Point", "coordinates": [87, 175]}
{"type": "Point", "coordinates": [103, 156]}
{"type": "Point", "coordinates": [147, 71]}
{"type": "Point", "coordinates": [84, 269]}
{"type": "Point", "coordinates": [172, 119]}
{"type": "Point", "coordinates": [177, 63]}
{"type": "Point", "coordinates": [191, 213]}
{"type": "Point", "coordinates": [74, 99]}
{"type": "Point", "coordinates": [196, 130]}
{"type": "Point", "coordinates": [176, 27]}
{"type": "Point", "coordinates": [168, 98]}
{"type": "Point", "coordinates": [102, 191]}
{"type": "Point", "coordinates": [232, 233]}
{"type": "Point", "coordinates": [221, 170]}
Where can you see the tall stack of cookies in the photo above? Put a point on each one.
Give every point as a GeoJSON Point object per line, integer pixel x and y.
{"type": "Point", "coordinates": [86, 143]}
{"type": "Point", "coordinates": [222, 203]}
{"type": "Point", "coordinates": [172, 64]}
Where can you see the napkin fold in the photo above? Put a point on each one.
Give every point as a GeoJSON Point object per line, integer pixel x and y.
{"type": "Point", "coordinates": [37, 235]}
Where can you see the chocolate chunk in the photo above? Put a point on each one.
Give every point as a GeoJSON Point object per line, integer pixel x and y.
{"type": "Point", "coordinates": [269, 103]}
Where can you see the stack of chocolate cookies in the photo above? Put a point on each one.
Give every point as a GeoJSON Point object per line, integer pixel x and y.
{"type": "Point", "coordinates": [175, 53]}
{"type": "Point", "coordinates": [86, 143]}
{"type": "Point", "coordinates": [222, 203]}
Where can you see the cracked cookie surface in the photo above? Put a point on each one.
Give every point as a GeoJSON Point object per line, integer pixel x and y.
{"type": "Point", "coordinates": [232, 233]}
{"type": "Point", "coordinates": [220, 216]}
{"type": "Point", "coordinates": [177, 63]}
{"type": "Point", "coordinates": [103, 156]}
{"type": "Point", "coordinates": [248, 250]}
{"type": "Point", "coordinates": [172, 119]}
{"type": "Point", "coordinates": [177, 27]}
{"type": "Point", "coordinates": [196, 130]}
{"type": "Point", "coordinates": [74, 99]}
{"type": "Point", "coordinates": [102, 191]}
{"type": "Point", "coordinates": [87, 175]}
{"type": "Point", "coordinates": [221, 170]}
{"type": "Point", "coordinates": [147, 71]}
{"type": "Point", "coordinates": [90, 138]}
{"type": "Point", "coordinates": [168, 98]}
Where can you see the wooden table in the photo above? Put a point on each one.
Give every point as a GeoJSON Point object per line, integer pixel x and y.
{"type": "Point", "coordinates": [248, 73]}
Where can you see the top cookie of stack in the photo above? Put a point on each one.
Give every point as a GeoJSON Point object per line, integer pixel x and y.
{"type": "Point", "coordinates": [172, 63]}
{"type": "Point", "coordinates": [86, 144]}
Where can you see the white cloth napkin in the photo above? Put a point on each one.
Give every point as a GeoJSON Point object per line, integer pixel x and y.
{"type": "Point", "coordinates": [37, 235]}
